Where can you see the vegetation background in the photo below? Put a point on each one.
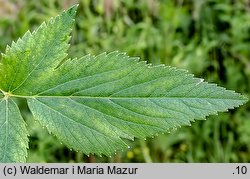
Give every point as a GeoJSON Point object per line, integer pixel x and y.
{"type": "Point", "coordinates": [210, 38]}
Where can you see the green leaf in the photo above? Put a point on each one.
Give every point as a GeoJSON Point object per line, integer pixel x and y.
{"type": "Point", "coordinates": [13, 132]}
{"type": "Point", "coordinates": [33, 57]}
{"type": "Point", "coordinates": [93, 103]}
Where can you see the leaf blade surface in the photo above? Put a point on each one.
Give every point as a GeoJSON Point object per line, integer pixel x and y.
{"type": "Point", "coordinates": [13, 133]}
{"type": "Point", "coordinates": [33, 56]}
{"type": "Point", "coordinates": [110, 91]}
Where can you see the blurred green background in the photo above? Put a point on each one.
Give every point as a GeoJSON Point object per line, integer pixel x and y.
{"type": "Point", "coordinates": [209, 38]}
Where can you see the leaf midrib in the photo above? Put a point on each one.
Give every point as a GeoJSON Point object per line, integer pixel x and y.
{"type": "Point", "coordinates": [125, 97]}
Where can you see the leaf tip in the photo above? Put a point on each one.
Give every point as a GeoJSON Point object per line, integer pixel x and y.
{"type": "Point", "coordinates": [72, 10]}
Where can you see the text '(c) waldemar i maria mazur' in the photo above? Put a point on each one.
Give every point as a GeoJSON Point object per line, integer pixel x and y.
{"type": "Point", "coordinates": [78, 170]}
